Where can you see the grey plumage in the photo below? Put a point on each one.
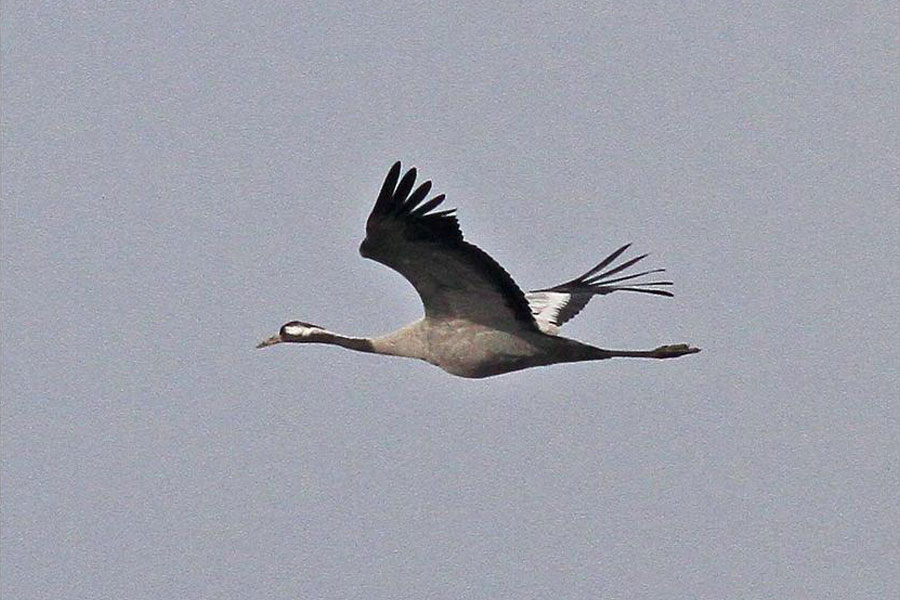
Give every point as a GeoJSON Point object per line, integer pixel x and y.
{"type": "Point", "coordinates": [477, 321]}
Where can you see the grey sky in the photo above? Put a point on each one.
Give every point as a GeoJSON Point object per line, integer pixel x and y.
{"type": "Point", "coordinates": [178, 182]}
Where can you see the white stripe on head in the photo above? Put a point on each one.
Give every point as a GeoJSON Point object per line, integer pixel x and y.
{"type": "Point", "coordinates": [298, 330]}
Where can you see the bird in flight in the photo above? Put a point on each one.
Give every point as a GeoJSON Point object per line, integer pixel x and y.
{"type": "Point", "coordinates": [477, 322]}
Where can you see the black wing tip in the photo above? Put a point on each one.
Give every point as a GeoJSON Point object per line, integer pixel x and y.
{"type": "Point", "coordinates": [401, 201]}
{"type": "Point", "coordinates": [396, 169]}
{"type": "Point", "coordinates": [402, 194]}
{"type": "Point", "coordinates": [393, 175]}
{"type": "Point", "coordinates": [600, 280]}
{"type": "Point", "coordinates": [665, 293]}
{"type": "Point", "coordinates": [401, 209]}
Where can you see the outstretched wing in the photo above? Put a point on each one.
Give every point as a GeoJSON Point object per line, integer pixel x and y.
{"type": "Point", "coordinates": [453, 278]}
{"type": "Point", "coordinates": [551, 307]}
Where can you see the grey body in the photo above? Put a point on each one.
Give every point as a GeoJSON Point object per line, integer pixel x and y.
{"type": "Point", "coordinates": [477, 321]}
{"type": "Point", "coordinates": [473, 350]}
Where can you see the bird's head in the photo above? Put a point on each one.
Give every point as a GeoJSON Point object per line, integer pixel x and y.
{"type": "Point", "coordinates": [296, 332]}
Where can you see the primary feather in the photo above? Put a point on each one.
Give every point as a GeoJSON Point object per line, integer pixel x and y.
{"type": "Point", "coordinates": [552, 307]}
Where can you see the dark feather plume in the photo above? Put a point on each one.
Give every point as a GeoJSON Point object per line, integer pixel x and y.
{"type": "Point", "coordinates": [597, 281]}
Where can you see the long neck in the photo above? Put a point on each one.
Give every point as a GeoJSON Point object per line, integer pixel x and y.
{"type": "Point", "coordinates": [403, 342]}
{"type": "Point", "coordinates": [352, 343]}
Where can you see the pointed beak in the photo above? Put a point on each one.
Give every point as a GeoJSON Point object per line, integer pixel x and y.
{"type": "Point", "coordinates": [275, 339]}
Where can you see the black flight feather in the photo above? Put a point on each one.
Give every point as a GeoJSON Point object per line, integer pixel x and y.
{"type": "Point", "coordinates": [396, 211]}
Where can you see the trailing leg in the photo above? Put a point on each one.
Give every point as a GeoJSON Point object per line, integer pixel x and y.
{"type": "Point", "coordinates": [669, 351]}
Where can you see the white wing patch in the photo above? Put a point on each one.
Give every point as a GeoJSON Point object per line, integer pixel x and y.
{"type": "Point", "coordinates": [545, 307]}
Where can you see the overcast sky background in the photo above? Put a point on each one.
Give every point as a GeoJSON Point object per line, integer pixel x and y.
{"type": "Point", "coordinates": [179, 181]}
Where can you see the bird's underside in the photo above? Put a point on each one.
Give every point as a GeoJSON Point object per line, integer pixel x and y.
{"type": "Point", "coordinates": [477, 321]}
{"type": "Point", "coordinates": [472, 350]}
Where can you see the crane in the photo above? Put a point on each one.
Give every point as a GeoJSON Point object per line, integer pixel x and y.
{"type": "Point", "coordinates": [477, 322]}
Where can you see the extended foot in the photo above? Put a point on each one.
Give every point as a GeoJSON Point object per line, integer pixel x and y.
{"type": "Point", "coordinates": [674, 351]}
